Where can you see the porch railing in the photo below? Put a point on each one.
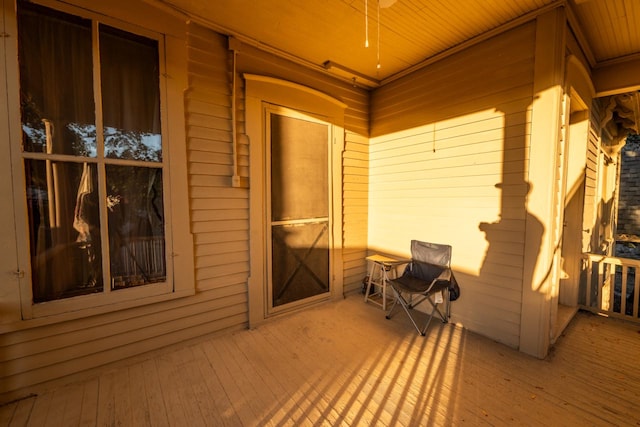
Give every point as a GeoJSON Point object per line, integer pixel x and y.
{"type": "Point", "coordinates": [612, 286]}
{"type": "Point", "coordinates": [138, 261]}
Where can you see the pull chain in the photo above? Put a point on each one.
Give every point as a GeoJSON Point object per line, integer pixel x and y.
{"type": "Point", "coordinates": [366, 23]}
{"type": "Point", "coordinates": [378, 41]}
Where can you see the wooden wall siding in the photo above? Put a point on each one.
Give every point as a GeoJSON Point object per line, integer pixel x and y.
{"type": "Point", "coordinates": [449, 164]}
{"type": "Point", "coordinates": [219, 212]}
{"type": "Point", "coordinates": [592, 192]}
{"type": "Point", "coordinates": [355, 208]}
{"type": "Point", "coordinates": [355, 155]}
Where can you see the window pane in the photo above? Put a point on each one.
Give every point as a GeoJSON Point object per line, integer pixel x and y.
{"type": "Point", "coordinates": [136, 225]}
{"type": "Point", "coordinates": [64, 229]}
{"type": "Point", "coordinates": [56, 82]}
{"type": "Point", "coordinates": [130, 95]}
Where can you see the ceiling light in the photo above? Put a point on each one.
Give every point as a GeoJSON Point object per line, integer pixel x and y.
{"type": "Point", "coordinates": [351, 75]}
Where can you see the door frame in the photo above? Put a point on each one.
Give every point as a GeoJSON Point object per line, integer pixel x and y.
{"type": "Point", "coordinates": [11, 267]}
{"type": "Point", "coordinates": [261, 90]}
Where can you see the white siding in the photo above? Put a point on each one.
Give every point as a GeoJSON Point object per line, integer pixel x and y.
{"type": "Point", "coordinates": [219, 213]}
{"type": "Point", "coordinates": [442, 139]}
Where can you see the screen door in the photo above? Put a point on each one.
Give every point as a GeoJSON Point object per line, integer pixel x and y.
{"type": "Point", "coordinates": [299, 207]}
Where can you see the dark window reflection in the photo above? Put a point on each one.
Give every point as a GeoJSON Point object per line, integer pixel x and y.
{"type": "Point", "coordinates": [64, 229]}
{"type": "Point", "coordinates": [130, 95]}
{"type": "Point", "coordinates": [56, 81]}
{"type": "Point", "coordinates": [136, 225]}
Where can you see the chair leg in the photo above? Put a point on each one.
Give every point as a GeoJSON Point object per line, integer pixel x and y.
{"type": "Point", "coordinates": [410, 304]}
{"type": "Point", "coordinates": [406, 306]}
{"type": "Point", "coordinates": [435, 310]}
{"type": "Point", "coordinates": [395, 302]}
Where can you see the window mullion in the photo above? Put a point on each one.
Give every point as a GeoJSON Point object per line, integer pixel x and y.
{"type": "Point", "coordinates": [102, 181]}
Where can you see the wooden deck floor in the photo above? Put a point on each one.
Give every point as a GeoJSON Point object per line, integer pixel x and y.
{"type": "Point", "coordinates": [344, 364]}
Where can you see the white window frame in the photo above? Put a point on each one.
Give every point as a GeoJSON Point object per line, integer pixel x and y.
{"type": "Point", "coordinates": [178, 238]}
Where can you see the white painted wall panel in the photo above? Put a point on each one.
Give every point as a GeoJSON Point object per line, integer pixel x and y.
{"type": "Point", "coordinates": [449, 164]}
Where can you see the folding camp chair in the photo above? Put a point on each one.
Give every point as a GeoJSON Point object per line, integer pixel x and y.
{"type": "Point", "coordinates": [427, 277]}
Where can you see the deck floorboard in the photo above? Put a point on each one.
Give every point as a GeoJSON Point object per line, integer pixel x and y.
{"type": "Point", "coordinates": [343, 363]}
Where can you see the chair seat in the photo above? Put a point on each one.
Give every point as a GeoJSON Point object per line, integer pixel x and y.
{"type": "Point", "coordinates": [408, 283]}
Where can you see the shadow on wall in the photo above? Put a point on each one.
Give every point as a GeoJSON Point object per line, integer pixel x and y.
{"type": "Point", "coordinates": [515, 237]}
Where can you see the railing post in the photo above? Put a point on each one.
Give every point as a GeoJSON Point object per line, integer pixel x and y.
{"type": "Point", "coordinates": [608, 284]}
{"type": "Point", "coordinates": [589, 283]}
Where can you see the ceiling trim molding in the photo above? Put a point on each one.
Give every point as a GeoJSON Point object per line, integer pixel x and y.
{"type": "Point", "coordinates": [574, 25]}
{"type": "Point", "coordinates": [634, 57]}
{"type": "Point", "coordinates": [190, 17]}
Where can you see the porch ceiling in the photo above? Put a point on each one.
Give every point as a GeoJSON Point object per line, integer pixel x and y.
{"type": "Point", "coordinates": [410, 32]}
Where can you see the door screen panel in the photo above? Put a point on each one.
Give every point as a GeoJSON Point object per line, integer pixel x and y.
{"type": "Point", "coordinates": [299, 178]}
{"type": "Point", "coordinates": [299, 209]}
{"type": "Point", "coordinates": [300, 269]}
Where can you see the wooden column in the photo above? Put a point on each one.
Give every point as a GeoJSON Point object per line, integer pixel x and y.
{"type": "Point", "coordinates": [542, 201]}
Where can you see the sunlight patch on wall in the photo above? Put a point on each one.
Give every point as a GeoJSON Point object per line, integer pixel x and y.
{"type": "Point", "coordinates": [438, 182]}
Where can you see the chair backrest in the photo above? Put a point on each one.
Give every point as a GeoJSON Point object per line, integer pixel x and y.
{"type": "Point", "coordinates": [432, 253]}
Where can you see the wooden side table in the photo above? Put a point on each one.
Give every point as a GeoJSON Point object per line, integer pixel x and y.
{"type": "Point", "coordinates": [383, 269]}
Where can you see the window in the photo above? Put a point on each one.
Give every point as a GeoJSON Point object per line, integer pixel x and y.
{"type": "Point", "coordinates": [93, 156]}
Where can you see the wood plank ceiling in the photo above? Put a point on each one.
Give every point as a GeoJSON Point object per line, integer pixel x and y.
{"type": "Point", "coordinates": [409, 32]}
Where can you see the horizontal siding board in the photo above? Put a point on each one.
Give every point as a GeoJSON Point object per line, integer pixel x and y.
{"type": "Point", "coordinates": [209, 85]}
{"type": "Point", "coordinates": [211, 168]}
{"type": "Point", "coordinates": [220, 248]}
{"type": "Point", "coordinates": [210, 71]}
{"type": "Point", "coordinates": [221, 193]}
{"type": "Point", "coordinates": [211, 158]}
{"type": "Point", "coordinates": [225, 236]}
{"type": "Point", "coordinates": [455, 167]}
{"type": "Point", "coordinates": [207, 103]}
{"type": "Point", "coordinates": [209, 181]}
{"type": "Point", "coordinates": [355, 210]}
{"type": "Point", "coordinates": [452, 182]}
{"type": "Point", "coordinates": [221, 270]}
{"type": "Point", "coordinates": [210, 124]}
{"type": "Point", "coordinates": [204, 261]}
{"type": "Point", "coordinates": [203, 132]}
{"type": "Point", "coordinates": [220, 214]}
{"type": "Point", "coordinates": [359, 171]}
{"type": "Point", "coordinates": [231, 283]}
{"type": "Point", "coordinates": [211, 145]}
{"type": "Point", "coordinates": [463, 157]}
{"type": "Point", "coordinates": [199, 204]}
{"type": "Point", "coordinates": [214, 226]}
{"type": "Point", "coordinates": [215, 104]}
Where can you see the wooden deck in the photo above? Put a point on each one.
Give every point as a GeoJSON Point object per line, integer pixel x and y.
{"type": "Point", "coordinates": [343, 364]}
